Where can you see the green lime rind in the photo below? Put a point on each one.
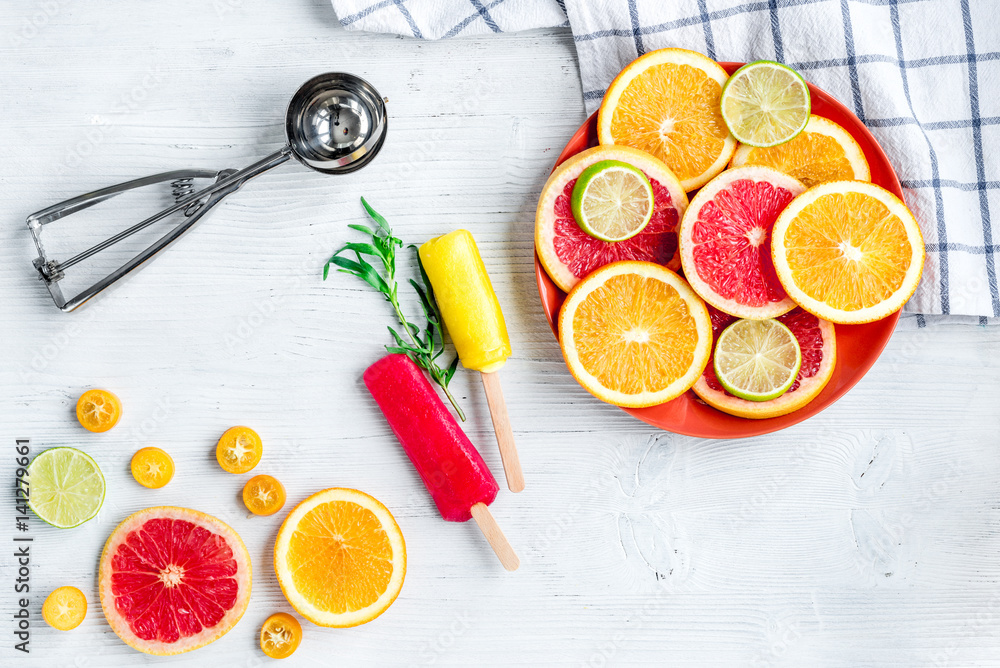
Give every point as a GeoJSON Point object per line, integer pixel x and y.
{"type": "Point", "coordinates": [66, 487]}
{"type": "Point", "coordinates": [738, 103]}
{"type": "Point", "coordinates": [757, 360]}
{"type": "Point", "coordinates": [585, 187]}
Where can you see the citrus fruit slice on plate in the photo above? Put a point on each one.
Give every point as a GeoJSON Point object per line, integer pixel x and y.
{"type": "Point", "coordinates": [848, 251]}
{"type": "Point", "coordinates": [612, 200]}
{"type": "Point", "coordinates": [568, 253]}
{"type": "Point", "coordinates": [239, 450]}
{"type": "Point", "coordinates": [725, 241]}
{"type": "Point", "coordinates": [280, 636]}
{"type": "Point", "coordinates": [765, 103]}
{"type": "Point", "coordinates": [263, 495]}
{"type": "Point", "coordinates": [822, 152]}
{"type": "Point", "coordinates": [818, 345]}
{"type": "Point", "coordinates": [857, 346]}
{"type": "Point", "coordinates": [635, 334]}
{"type": "Point", "coordinates": [173, 580]}
{"type": "Point", "coordinates": [98, 410]}
{"type": "Point", "coordinates": [340, 558]}
{"type": "Point", "coordinates": [666, 103]}
{"type": "Point", "coordinates": [65, 608]}
{"type": "Point", "coordinates": [152, 467]}
{"type": "Point", "coordinates": [757, 360]}
{"type": "Point", "coordinates": [67, 487]}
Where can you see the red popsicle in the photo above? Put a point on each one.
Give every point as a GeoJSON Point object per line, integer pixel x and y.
{"type": "Point", "coordinates": [452, 469]}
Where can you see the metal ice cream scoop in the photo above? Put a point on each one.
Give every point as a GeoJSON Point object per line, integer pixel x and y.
{"type": "Point", "coordinates": [335, 124]}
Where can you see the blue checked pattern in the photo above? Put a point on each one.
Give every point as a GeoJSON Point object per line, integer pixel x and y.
{"type": "Point", "coordinates": [923, 75]}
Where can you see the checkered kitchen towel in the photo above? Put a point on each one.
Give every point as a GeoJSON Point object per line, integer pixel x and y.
{"type": "Point", "coordinates": [924, 75]}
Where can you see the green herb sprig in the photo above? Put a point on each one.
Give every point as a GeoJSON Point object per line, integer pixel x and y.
{"type": "Point", "coordinates": [422, 345]}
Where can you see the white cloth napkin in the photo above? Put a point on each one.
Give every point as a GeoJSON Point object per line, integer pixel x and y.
{"type": "Point", "coordinates": [436, 19]}
{"type": "Point", "coordinates": [924, 76]}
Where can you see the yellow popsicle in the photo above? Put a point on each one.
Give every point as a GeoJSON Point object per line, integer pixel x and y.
{"type": "Point", "coordinates": [467, 301]}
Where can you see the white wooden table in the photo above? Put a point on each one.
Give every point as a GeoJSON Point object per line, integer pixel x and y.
{"type": "Point", "coordinates": [869, 535]}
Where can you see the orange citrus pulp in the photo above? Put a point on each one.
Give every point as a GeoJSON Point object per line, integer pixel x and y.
{"type": "Point", "coordinates": [152, 467]}
{"type": "Point", "coordinates": [635, 334]}
{"type": "Point", "coordinates": [847, 251]}
{"type": "Point", "coordinates": [239, 450]}
{"type": "Point", "coordinates": [65, 608]}
{"type": "Point", "coordinates": [264, 495]}
{"type": "Point", "coordinates": [98, 410]}
{"type": "Point", "coordinates": [822, 152]}
{"type": "Point", "coordinates": [666, 103]}
{"type": "Point", "coordinates": [280, 635]}
{"type": "Point", "coordinates": [340, 558]}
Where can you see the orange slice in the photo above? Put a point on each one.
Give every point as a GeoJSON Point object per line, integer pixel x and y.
{"type": "Point", "coordinates": [280, 635]}
{"type": "Point", "coordinates": [847, 251]}
{"type": "Point", "coordinates": [98, 410]}
{"type": "Point", "coordinates": [152, 467]}
{"type": "Point", "coordinates": [65, 608]}
{"type": "Point", "coordinates": [822, 152]}
{"type": "Point", "coordinates": [263, 495]}
{"type": "Point", "coordinates": [635, 334]}
{"type": "Point", "coordinates": [340, 558]}
{"type": "Point", "coordinates": [666, 103]}
{"type": "Point", "coordinates": [239, 450]}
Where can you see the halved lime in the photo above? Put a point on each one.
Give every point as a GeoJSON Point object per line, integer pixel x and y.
{"type": "Point", "coordinates": [757, 360]}
{"type": "Point", "coordinates": [65, 487]}
{"type": "Point", "coordinates": [612, 200]}
{"type": "Point", "coordinates": [765, 104]}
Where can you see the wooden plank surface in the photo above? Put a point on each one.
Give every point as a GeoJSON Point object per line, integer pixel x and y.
{"type": "Point", "coordinates": [868, 535]}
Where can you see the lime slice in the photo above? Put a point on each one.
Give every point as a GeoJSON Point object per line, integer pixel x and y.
{"type": "Point", "coordinates": [765, 104]}
{"type": "Point", "coordinates": [612, 200]}
{"type": "Point", "coordinates": [66, 487]}
{"type": "Point", "coordinates": [757, 360]}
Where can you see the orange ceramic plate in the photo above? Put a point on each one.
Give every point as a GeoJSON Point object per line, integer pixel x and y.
{"type": "Point", "coordinates": [858, 346]}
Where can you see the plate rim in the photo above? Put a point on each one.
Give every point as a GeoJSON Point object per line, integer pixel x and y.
{"type": "Point", "coordinates": [883, 329]}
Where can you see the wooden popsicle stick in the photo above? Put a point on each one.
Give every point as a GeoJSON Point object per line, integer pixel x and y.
{"type": "Point", "coordinates": [490, 529]}
{"type": "Point", "coordinates": [505, 437]}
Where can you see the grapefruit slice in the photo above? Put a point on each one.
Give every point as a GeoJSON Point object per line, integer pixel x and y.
{"type": "Point", "coordinates": [172, 580]}
{"type": "Point", "coordinates": [818, 343]}
{"type": "Point", "coordinates": [568, 253]}
{"type": "Point", "coordinates": [725, 241]}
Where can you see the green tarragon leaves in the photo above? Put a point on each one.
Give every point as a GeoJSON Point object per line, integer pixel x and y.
{"type": "Point", "coordinates": [422, 345]}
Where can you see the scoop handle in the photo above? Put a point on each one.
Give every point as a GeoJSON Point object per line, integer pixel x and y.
{"type": "Point", "coordinates": [505, 553]}
{"type": "Point", "coordinates": [505, 437]}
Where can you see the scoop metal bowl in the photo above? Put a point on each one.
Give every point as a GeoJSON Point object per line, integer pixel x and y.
{"type": "Point", "coordinates": [336, 123]}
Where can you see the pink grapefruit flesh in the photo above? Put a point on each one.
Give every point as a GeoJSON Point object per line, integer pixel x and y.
{"type": "Point", "coordinates": [725, 241]}
{"type": "Point", "coordinates": [818, 342]}
{"type": "Point", "coordinates": [568, 253]}
{"type": "Point", "coordinates": [173, 580]}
